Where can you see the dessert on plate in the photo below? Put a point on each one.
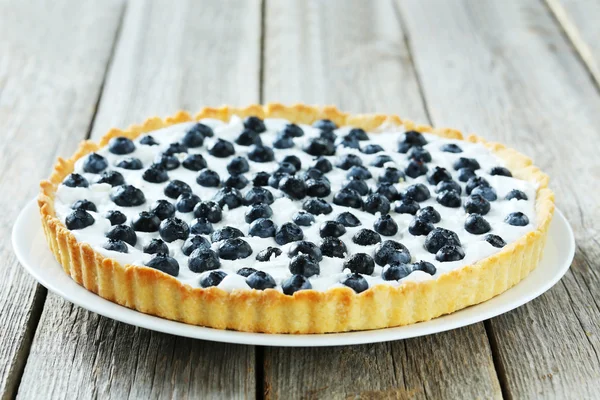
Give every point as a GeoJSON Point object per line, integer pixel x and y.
{"type": "Point", "coordinates": [295, 219]}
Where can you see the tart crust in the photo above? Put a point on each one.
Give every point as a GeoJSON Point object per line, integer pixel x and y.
{"type": "Point", "coordinates": [335, 310]}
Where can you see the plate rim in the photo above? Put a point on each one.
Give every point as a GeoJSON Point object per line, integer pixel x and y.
{"type": "Point", "coordinates": [129, 316]}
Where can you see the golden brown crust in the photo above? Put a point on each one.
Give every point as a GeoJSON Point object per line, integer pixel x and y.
{"type": "Point", "coordinates": [336, 310]}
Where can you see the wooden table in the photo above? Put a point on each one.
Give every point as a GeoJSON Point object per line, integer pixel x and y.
{"type": "Point", "coordinates": [526, 73]}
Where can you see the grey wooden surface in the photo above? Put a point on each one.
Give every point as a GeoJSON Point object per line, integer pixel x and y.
{"type": "Point", "coordinates": [524, 72]}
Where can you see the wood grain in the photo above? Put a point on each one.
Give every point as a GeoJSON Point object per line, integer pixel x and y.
{"type": "Point", "coordinates": [353, 54]}
{"type": "Point", "coordinates": [51, 70]}
{"type": "Point", "coordinates": [505, 71]}
{"type": "Point", "coordinates": [210, 56]}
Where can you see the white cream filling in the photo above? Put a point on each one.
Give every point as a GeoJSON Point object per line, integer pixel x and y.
{"type": "Point", "coordinates": [283, 208]}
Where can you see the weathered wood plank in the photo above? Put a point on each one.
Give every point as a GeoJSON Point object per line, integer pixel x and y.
{"type": "Point", "coordinates": [51, 70]}
{"type": "Point", "coordinates": [171, 55]}
{"type": "Point", "coordinates": [505, 71]}
{"type": "Point", "coordinates": [353, 54]}
{"type": "Point", "coordinates": [579, 19]}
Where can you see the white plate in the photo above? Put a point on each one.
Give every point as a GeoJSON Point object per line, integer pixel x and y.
{"type": "Point", "coordinates": [31, 249]}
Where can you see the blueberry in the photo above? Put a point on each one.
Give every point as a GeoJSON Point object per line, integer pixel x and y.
{"type": "Point", "coordinates": [201, 226]}
{"type": "Point", "coordinates": [360, 172]}
{"type": "Point", "coordinates": [164, 263]}
{"type": "Point", "coordinates": [288, 232]}
{"type": "Point", "coordinates": [262, 227]}
{"type": "Point", "coordinates": [415, 138]}
{"type": "Point", "coordinates": [313, 173]}
{"type": "Point", "coordinates": [407, 206]}
{"type": "Point", "coordinates": [319, 147]}
{"type": "Point", "coordinates": [500, 171]}
{"type": "Point", "coordinates": [202, 260]}
{"type": "Point", "coordinates": [356, 282]}
{"type": "Point", "coordinates": [208, 178]}
{"type": "Point", "coordinates": [391, 252]}
{"type": "Point", "coordinates": [464, 162]}
{"type": "Point", "coordinates": [155, 174]}
{"type": "Point", "coordinates": [292, 160]}
{"type": "Point", "coordinates": [148, 141]}
{"type": "Point", "coordinates": [388, 190]}
{"type": "Point", "coordinates": [194, 137]}
{"type": "Point", "coordinates": [358, 134]}
{"type": "Point", "coordinates": [358, 185]}
{"type": "Point", "coordinates": [127, 196]}
{"type": "Point", "coordinates": [186, 202]}
{"type": "Point", "coordinates": [419, 154]}
{"type": "Point", "coordinates": [256, 211]}
{"type": "Point", "coordinates": [366, 237]}
{"type": "Point", "coordinates": [293, 187]}
{"type": "Point", "coordinates": [348, 161]}
{"type": "Point", "coordinates": [221, 149]}
{"type": "Point", "coordinates": [85, 205]}
{"type": "Point", "coordinates": [261, 178]}
{"type": "Point", "coordinates": [209, 210]}
{"type": "Point", "coordinates": [303, 264]}
{"type": "Point", "coordinates": [333, 247]}
{"type": "Point", "coordinates": [245, 271]}
{"type": "Point", "coordinates": [464, 174]}
{"type": "Point", "coordinates": [350, 143]}
{"type": "Point", "coordinates": [194, 162]}
{"type": "Point", "coordinates": [325, 125]}
{"type": "Point", "coordinates": [381, 160]}
{"type": "Point", "coordinates": [516, 194]}
{"type": "Point", "coordinates": [275, 178]}
{"type": "Point", "coordinates": [294, 284]}
{"type": "Point", "coordinates": [234, 249]}
{"type": "Point", "coordinates": [360, 263]}
{"type": "Point", "coordinates": [121, 145]}
{"type": "Point", "coordinates": [429, 214]}
{"type": "Point", "coordinates": [371, 149]}
{"type": "Point", "coordinates": [292, 130]}
{"type": "Point", "coordinates": [332, 228]}
{"type": "Point", "coordinates": [418, 192]}
{"type": "Point", "coordinates": [495, 240]}
{"type": "Point", "coordinates": [475, 181]}
{"type": "Point", "coordinates": [440, 237]}
{"type": "Point", "coordinates": [317, 206]}
{"type": "Point", "coordinates": [438, 174]}
{"type": "Point", "coordinates": [449, 198]}
{"type": "Point", "coordinates": [113, 178]}
{"type": "Point", "coordinates": [192, 243]}
{"type": "Point", "coordinates": [168, 162]}
{"type": "Point", "coordinates": [79, 219]}
{"type": "Point", "coordinates": [176, 188]}
{"type": "Point", "coordinates": [267, 254]}
{"type": "Point", "coordinates": [94, 163]}
{"type": "Point", "coordinates": [283, 142]}
{"type": "Point", "coordinates": [163, 209]}
{"type": "Point", "coordinates": [476, 224]}
{"type": "Point", "coordinates": [477, 204]}
{"type": "Point", "coordinates": [227, 232]}
{"type": "Point", "coordinates": [255, 123]}
{"type": "Point", "coordinates": [323, 165]}
{"type": "Point", "coordinates": [450, 253]}
{"type": "Point", "coordinates": [448, 185]}
{"type": "Point", "coordinates": [348, 219]}
{"type": "Point", "coordinates": [318, 188]}
{"type": "Point", "coordinates": [214, 278]}
{"type": "Point", "coordinates": [156, 246]}
{"type": "Point", "coordinates": [145, 222]}
{"type": "Point", "coordinates": [175, 148]}
{"type": "Point", "coordinates": [75, 180]}
{"type": "Point", "coordinates": [517, 219]}
{"type": "Point", "coordinates": [403, 147]}
{"type": "Point", "coordinates": [376, 203]}
{"type": "Point", "coordinates": [328, 135]}
{"type": "Point", "coordinates": [348, 198]}
{"type": "Point", "coordinates": [395, 272]}
{"type": "Point", "coordinates": [228, 196]}
{"type": "Point", "coordinates": [420, 227]}
{"type": "Point", "coordinates": [415, 168]}
{"type": "Point", "coordinates": [115, 217]}
{"type": "Point", "coordinates": [286, 168]}
{"type": "Point", "coordinates": [122, 232]}
{"type": "Point", "coordinates": [248, 137]}
{"type": "Point", "coordinates": [303, 218]}
{"type": "Point", "coordinates": [261, 154]}
{"type": "Point", "coordinates": [451, 148]}
{"type": "Point", "coordinates": [385, 225]}
{"type": "Point", "coordinates": [238, 165]}
{"type": "Point", "coordinates": [487, 192]}
{"type": "Point", "coordinates": [172, 229]}
{"type": "Point", "coordinates": [236, 181]}
{"type": "Point", "coordinates": [115, 245]}
{"type": "Point", "coordinates": [424, 266]}
{"type": "Point", "coordinates": [260, 280]}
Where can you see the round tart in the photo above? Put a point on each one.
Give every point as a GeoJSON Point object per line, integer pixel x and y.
{"type": "Point", "coordinates": [295, 219]}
